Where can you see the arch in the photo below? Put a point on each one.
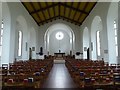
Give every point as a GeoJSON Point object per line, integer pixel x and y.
{"type": "Point", "coordinates": [95, 26]}
{"type": "Point", "coordinates": [59, 27]}
{"type": "Point", "coordinates": [21, 25]}
{"type": "Point", "coordinates": [0, 12]}
{"type": "Point", "coordinates": [85, 42]}
{"type": "Point", "coordinates": [32, 41]}
{"type": "Point", "coordinates": [111, 16]}
{"type": "Point", "coordinates": [6, 16]}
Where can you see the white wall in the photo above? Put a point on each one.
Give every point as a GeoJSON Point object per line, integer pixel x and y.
{"type": "Point", "coordinates": [17, 10]}
{"type": "Point", "coordinates": [96, 26]}
{"type": "Point", "coordinates": [65, 45]}
{"type": "Point", "coordinates": [119, 32]}
{"type": "Point", "coordinates": [6, 36]}
{"type": "Point", "coordinates": [0, 20]}
{"type": "Point", "coordinates": [102, 10]}
{"type": "Point", "coordinates": [85, 42]}
{"type": "Point", "coordinates": [0, 12]}
{"type": "Point", "coordinates": [111, 16]}
{"type": "Point", "coordinates": [56, 45]}
{"type": "Point", "coordinates": [12, 10]}
{"type": "Point", "coordinates": [75, 28]}
{"type": "Point", "coordinates": [32, 41]}
{"type": "Point", "coordinates": [22, 26]}
{"type": "Point", "coordinates": [27, 24]}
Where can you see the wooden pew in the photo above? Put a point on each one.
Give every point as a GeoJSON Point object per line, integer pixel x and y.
{"type": "Point", "coordinates": [94, 74]}
{"type": "Point", "coordinates": [27, 73]}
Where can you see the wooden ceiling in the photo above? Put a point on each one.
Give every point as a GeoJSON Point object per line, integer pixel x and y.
{"type": "Point", "coordinates": [44, 12]}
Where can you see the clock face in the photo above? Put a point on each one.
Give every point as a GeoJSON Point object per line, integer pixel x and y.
{"type": "Point", "coordinates": [59, 35]}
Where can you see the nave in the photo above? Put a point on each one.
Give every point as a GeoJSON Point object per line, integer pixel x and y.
{"type": "Point", "coordinates": [74, 73]}
{"type": "Point", "coordinates": [36, 74]}
{"type": "Point", "coordinates": [60, 28]}
{"type": "Point", "coordinates": [59, 77]}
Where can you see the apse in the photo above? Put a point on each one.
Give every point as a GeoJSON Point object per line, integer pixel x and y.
{"type": "Point", "coordinates": [59, 38]}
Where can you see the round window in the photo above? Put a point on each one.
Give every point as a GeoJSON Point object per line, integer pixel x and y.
{"type": "Point", "coordinates": [59, 35]}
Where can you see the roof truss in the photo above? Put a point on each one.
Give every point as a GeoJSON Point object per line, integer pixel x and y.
{"type": "Point", "coordinates": [44, 12]}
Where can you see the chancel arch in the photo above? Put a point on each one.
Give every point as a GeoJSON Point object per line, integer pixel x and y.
{"type": "Point", "coordinates": [53, 45]}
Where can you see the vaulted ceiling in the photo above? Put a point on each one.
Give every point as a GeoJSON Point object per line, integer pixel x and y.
{"type": "Point", "coordinates": [44, 12]}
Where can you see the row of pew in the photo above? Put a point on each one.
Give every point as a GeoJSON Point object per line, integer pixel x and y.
{"type": "Point", "coordinates": [94, 74]}
{"type": "Point", "coordinates": [29, 74]}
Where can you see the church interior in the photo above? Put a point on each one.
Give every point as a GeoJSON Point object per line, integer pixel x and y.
{"type": "Point", "coordinates": [66, 44]}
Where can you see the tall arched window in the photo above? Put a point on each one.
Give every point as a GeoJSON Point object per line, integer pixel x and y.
{"type": "Point", "coordinates": [19, 43]}
{"type": "Point", "coordinates": [98, 43]}
{"type": "Point", "coordinates": [1, 38]}
{"type": "Point", "coordinates": [116, 43]}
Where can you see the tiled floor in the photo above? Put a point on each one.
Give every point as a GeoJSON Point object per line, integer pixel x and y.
{"type": "Point", "coordinates": [59, 77]}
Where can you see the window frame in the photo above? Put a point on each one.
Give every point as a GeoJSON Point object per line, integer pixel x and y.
{"type": "Point", "coordinates": [20, 42]}
{"type": "Point", "coordinates": [59, 35]}
{"type": "Point", "coordinates": [115, 27]}
{"type": "Point", "coordinates": [1, 37]}
{"type": "Point", "coordinates": [98, 43]}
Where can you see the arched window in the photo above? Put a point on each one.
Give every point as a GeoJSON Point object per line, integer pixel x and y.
{"type": "Point", "coordinates": [98, 43]}
{"type": "Point", "coordinates": [59, 35]}
{"type": "Point", "coordinates": [19, 43]}
{"type": "Point", "coordinates": [1, 38]}
{"type": "Point", "coordinates": [116, 43]}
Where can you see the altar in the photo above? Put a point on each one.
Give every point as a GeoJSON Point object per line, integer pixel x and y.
{"type": "Point", "coordinates": [59, 55]}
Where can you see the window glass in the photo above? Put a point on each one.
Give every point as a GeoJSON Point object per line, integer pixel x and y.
{"type": "Point", "coordinates": [116, 38]}
{"type": "Point", "coordinates": [1, 37]}
{"type": "Point", "coordinates": [59, 35]}
{"type": "Point", "coordinates": [20, 43]}
{"type": "Point", "coordinates": [98, 43]}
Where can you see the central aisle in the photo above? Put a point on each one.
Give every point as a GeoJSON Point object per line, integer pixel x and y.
{"type": "Point", "coordinates": [59, 77]}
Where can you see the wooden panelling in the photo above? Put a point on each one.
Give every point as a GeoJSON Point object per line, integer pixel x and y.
{"type": "Point", "coordinates": [67, 12]}
{"type": "Point", "coordinates": [41, 16]}
{"type": "Point", "coordinates": [56, 11]}
{"type": "Point", "coordinates": [51, 12]}
{"type": "Point", "coordinates": [74, 12]}
{"type": "Point", "coordinates": [77, 16]}
{"type": "Point", "coordinates": [36, 5]}
{"type": "Point", "coordinates": [36, 17]}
